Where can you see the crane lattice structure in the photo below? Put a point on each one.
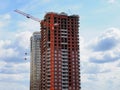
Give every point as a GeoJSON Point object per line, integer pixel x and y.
{"type": "Point", "coordinates": [28, 15]}
{"type": "Point", "coordinates": [35, 19]}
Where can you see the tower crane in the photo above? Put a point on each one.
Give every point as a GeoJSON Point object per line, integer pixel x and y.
{"type": "Point", "coordinates": [28, 15]}
{"type": "Point", "coordinates": [35, 19]}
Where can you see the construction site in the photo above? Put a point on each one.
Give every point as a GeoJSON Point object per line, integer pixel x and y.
{"type": "Point", "coordinates": [54, 52]}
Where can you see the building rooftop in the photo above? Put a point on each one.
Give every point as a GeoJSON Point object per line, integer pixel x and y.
{"type": "Point", "coordinates": [62, 13]}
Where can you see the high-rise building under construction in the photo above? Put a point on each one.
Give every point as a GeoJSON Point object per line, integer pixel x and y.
{"type": "Point", "coordinates": [35, 62]}
{"type": "Point", "coordinates": [60, 52]}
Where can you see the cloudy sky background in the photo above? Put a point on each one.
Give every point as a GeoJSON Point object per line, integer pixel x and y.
{"type": "Point", "coordinates": [99, 35]}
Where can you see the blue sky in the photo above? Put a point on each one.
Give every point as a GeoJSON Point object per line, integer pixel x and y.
{"type": "Point", "coordinates": [99, 35]}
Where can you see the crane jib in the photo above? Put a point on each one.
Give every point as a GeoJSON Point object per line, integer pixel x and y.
{"type": "Point", "coordinates": [28, 15]}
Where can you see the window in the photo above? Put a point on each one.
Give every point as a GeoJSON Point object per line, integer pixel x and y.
{"type": "Point", "coordinates": [64, 46]}
{"type": "Point", "coordinates": [55, 87]}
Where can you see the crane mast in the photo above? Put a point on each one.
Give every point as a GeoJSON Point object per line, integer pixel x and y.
{"type": "Point", "coordinates": [28, 15]}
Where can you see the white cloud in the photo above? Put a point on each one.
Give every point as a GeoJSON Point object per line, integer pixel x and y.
{"type": "Point", "coordinates": [17, 68]}
{"type": "Point", "coordinates": [4, 43]}
{"type": "Point", "coordinates": [107, 40]}
{"type": "Point", "coordinates": [24, 32]}
{"type": "Point", "coordinates": [9, 52]}
{"type": "Point", "coordinates": [105, 57]}
{"type": "Point", "coordinates": [28, 25]}
{"type": "Point", "coordinates": [12, 49]}
{"type": "Point", "coordinates": [101, 81]}
{"type": "Point", "coordinates": [82, 42]}
{"type": "Point", "coordinates": [6, 16]}
{"type": "Point", "coordinates": [23, 39]}
{"type": "Point", "coordinates": [2, 65]}
{"type": "Point", "coordinates": [105, 47]}
{"type": "Point", "coordinates": [5, 50]}
{"type": "Point", "coordinates": [14, 77]}
{"type": "Point", "coordinates": [14, 71]}
{"type": "Point", "coordinates": [4, 20]}
{"type": "Point", "coordinates": [111, 1]}
{"type": "Point", "coordinates": [102, 73]}
{"type": "Point", "coordinates": [2, 24]}
{"type": "Point", "coordinates": [13, 86]}
{"type": "Point", "coordinates": [111, 32]}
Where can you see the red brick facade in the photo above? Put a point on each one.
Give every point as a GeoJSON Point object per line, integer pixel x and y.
{"type": "Point", "coordinates": [60, 52]}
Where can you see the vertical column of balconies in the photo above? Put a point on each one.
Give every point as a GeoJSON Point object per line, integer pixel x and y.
{"type": "Point", "coordinates": [31, 64]}
{"type": "Point", "coordinates": [48, 68]}
{"type": "Point", "coordinates": [43, 58]}
{"type": "Point", "coordinates": [35, 62]}
{"type": "Point", "coordinates": [64, 52]}
{"type": "Point", "coordinates": [57, 56]}
{"type": "Point", "coordinates": [38, 63]}
{"type": "Point", "coordinates": [73, 53]}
